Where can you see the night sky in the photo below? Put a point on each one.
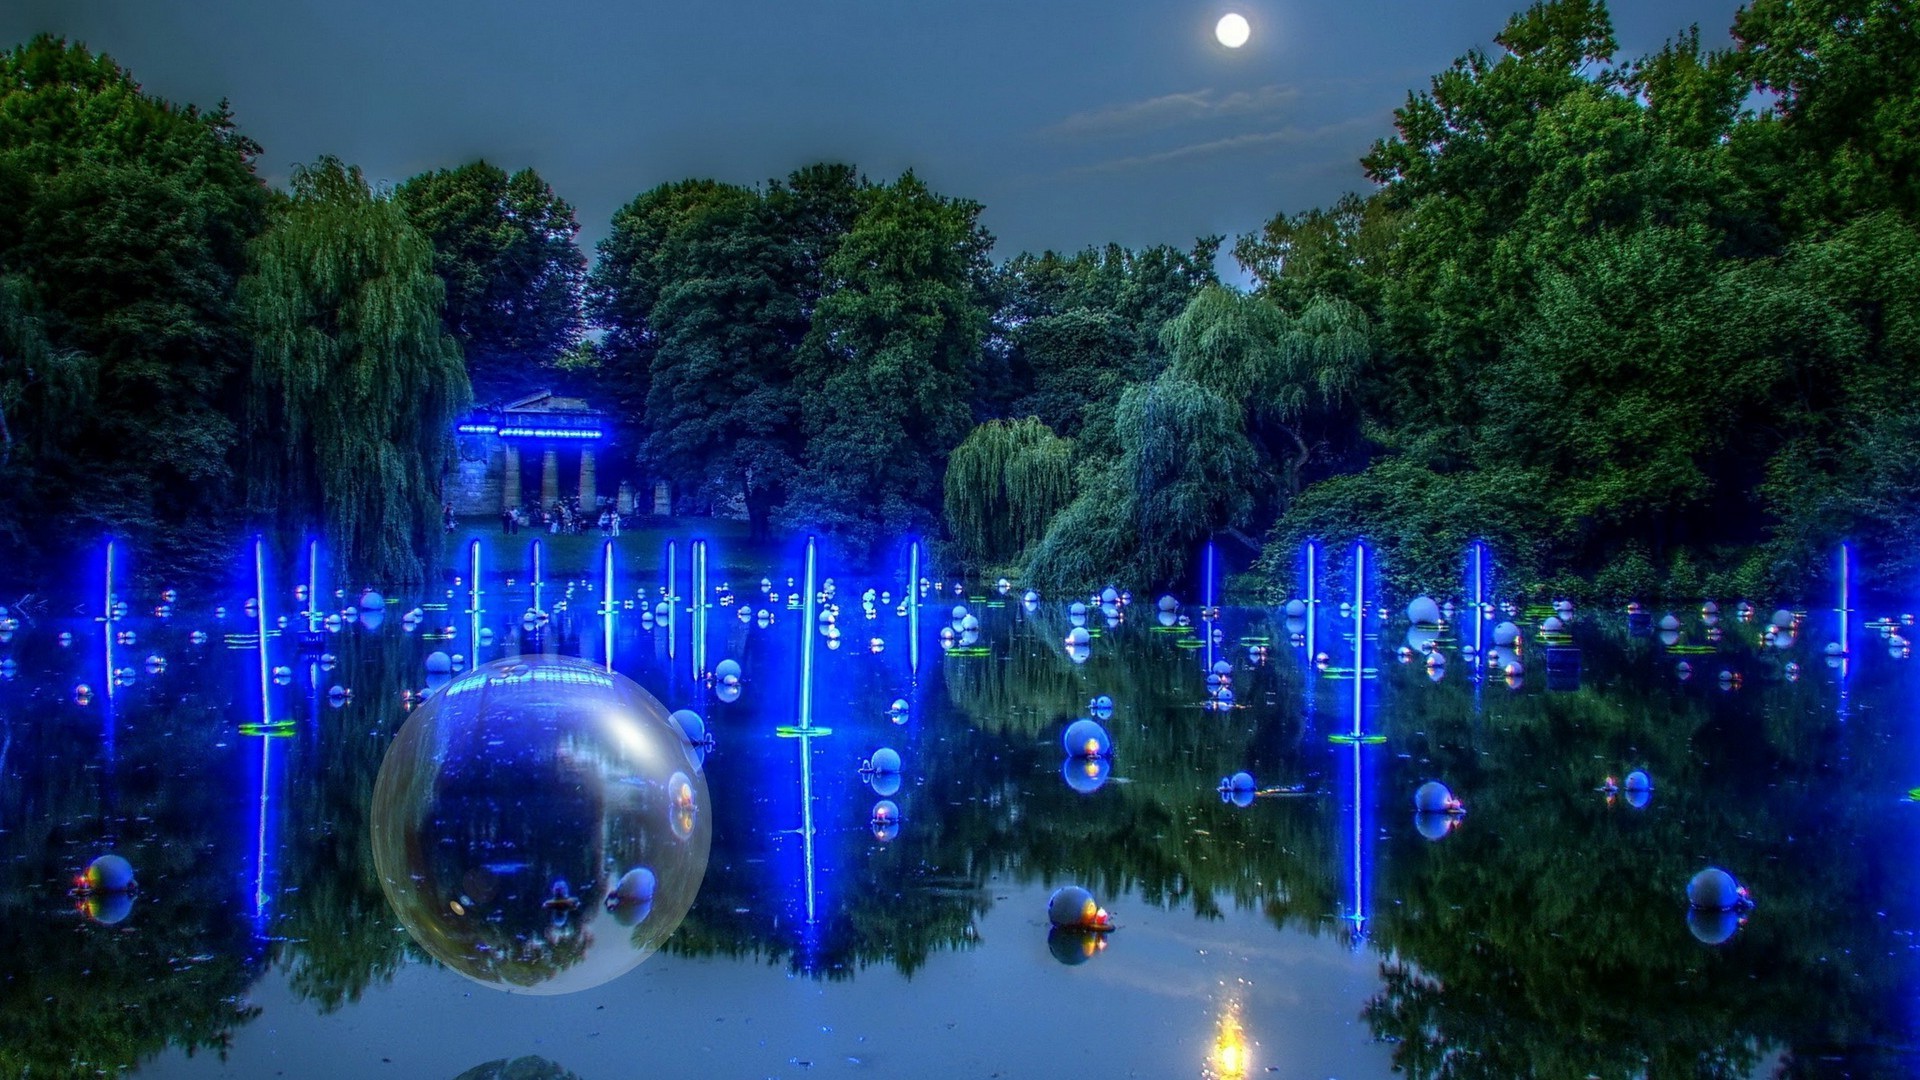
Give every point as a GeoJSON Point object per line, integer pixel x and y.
{"type": "Point", "coordinates": [1075, 122]}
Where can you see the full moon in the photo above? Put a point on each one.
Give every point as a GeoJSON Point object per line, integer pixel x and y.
{"type": "Point", "coordinates": [1232, 30]}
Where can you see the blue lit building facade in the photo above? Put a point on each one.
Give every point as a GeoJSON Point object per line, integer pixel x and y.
{"type": "Point", "coordinates": [541, 449]}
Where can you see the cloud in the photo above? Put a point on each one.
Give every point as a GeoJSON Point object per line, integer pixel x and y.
{"type": "Point", "coordinates": [1290, 135]}
{"type": "Point", "coordinates": [1172, 110]}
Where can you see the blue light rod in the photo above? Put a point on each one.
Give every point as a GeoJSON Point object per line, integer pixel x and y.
{"type": "Point", "coordinates": [606, 592]}
{"type": "Point", "coordinates": [313, 586]}
{"type": "Point", "coordinates": [536, 577]}
{"type": "Point", "coordinates": [1359, 629]}
{"type": "Point", "coordinates": [672, 597]}
{"type": "Point", "coordinates": [699, 609]}
{"type": "Point", "coordinates": [106, 626]}
{"type": "Point", "coordinates": [1208, 613]}
{"type": "Point", "coordinates": [913, 609]}
{"type": "Point", "coordinates": [1846, 558]}
{"type": "Point", "coordinates": [473, 599]}
{"type": "Point", "coordinates": [266, 718]}
{"type": "Point", "coordinates": [807, 631]}
{"type": "Point", "coordinates": [1479, 602]}
{"type": "Point", "coordinates": [1313, 557]}
{"type": "Point", "coordinates": [260, 620]}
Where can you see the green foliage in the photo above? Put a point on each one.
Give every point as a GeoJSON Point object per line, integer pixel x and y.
{"type": "Point", "coordinates": [1004, 484]}
{"type": "Point", "coordinates": [885, 369]}
{"type": "Point", "coordinates": [123, 226]}
{"type": "Point", "coordinates": [506, 248]}
{"type": "Point", "coordinates": [345, 312]}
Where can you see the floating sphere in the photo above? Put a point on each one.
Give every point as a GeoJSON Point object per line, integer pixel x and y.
{"type": "Point", "coordinates": [1639, 799]}
{"type": "Point", "coordinates": [1435, 826]}
{"type": "Point", "coordinates": [1514, 670]}
{"type": "Point", "coordinates": [1782, 619]}
{"type": "Point", "coordinates": [1167, 603]}
{"type": "Point", "coordinates": [884, 760]}
{"type": "Point", "coordinates": [1713, 889]}
{"type": "Point", "coordinates": [1423, 611]}
{"type": "Point", "coordinates": [520, 777]}
{"type": "Point", "coordinates": [1683, 669]}
{"type": "Point", "coordinates": [959, 612]}
{"type": "Point", "coordinates": [1505, 634]}
{"type": "Point", "coordinates": [282, 675]}
{"type": "Point", "coordinates": [1079, 654]}
{"type": "Point", "coordinates": [1792, 671]}
{"type": "Point", "coordinates": [1552, 625]}
{"type": "Point", "coordinates": [636, 887]}
{"type": "Point", "coordinates": [1077, 610]}
{"type": "Point", "coordinates": [692, 726]}
{"type": "Point", "coordinates": [1085, 774]}
{"type": "Point", "coordinates": [1030, 597]}
{"type": "Point", "coordinates": [969, 624]}
{"type": "Point", "coordinates": [1109, 595]}
{"type": "Point", "coordinates": [110, 874]}
{"type": "Point", "coordinates": [1296, 609]}
{"type": "Point", "coordinates": [439, 663]}
{"type": "Point", "coordinates": [198, 637]}
{"type": "Point", "coordinates": [1240, 781]}
{"type": "Point", "coordinates": [727, 669]}
{"type": "Point", "coordinates": [372, 601]}
{"type": "Point", "coordinates": [1638, 781]}
{"type": "Point", "coordinates": [1101, 703]}
{"type": "Point", "coordinates": [1833, 648]}
{"type": "Point", "coordinates": [1433, 797]}
{"type": "Point", "coordinates": [1087, 739]}
{"type": "Point", "coordinates": [66, 637]}
{"type": "Point", "coordinates": [1072, 946]}
{"type": "Point", "coordinates": [1078, 636]}
{"type": "Point", "coordinates": [1712, 927]}
{"type": "Point", "coordinates": [727, 693]}
{"type": "Point", "coordinates": [1221, 667]}
{"type": "Point", "coordinates": [1073, 907]}
{"type": "Point", "coordinates": [885, 820]}
{"type": "Point", "coordinates": [83, 693]}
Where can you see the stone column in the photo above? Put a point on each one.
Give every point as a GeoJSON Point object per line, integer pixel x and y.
{"type": "Point", "coordinates": [624, 501]}
{"type": "Point", "coordinates": [589, 495]}
{"type": "Point", "coordinates": [549, 478]}
{"type": "Point", "coordinates": [510, 480]}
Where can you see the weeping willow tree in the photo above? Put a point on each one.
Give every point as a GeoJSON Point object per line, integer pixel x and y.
{"type": "Point", "coordinates": [1290, 375]}
{"type": "Point", "coordinates": [40, 386]}
{"type": "Point", "coordinates": [1185, 470]}
{"type": "Point", "coordinates": [355, 385]}
{"type": "Point", "coordinates": [1003, 486]}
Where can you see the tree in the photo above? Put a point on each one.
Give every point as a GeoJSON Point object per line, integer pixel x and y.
{"type": "Point", "coordinates": [1003, 486]}
{"type": "Point", "coordinates": [884, 373]}
{"type": "Point", "coordinates": [506, 248]}
{"type": "Point", "coordinates": [39, 386]}
{"type": "Point", "coordinates": [355, 385]}
{"type": "Point", "coordinates": [124, 221]}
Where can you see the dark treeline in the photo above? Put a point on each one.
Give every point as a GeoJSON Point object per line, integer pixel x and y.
{"type": "Point", "coordinates": [1644, 325]}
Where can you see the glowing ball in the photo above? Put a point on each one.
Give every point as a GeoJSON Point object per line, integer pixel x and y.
{"type": "Point", "coordinates": [439, 663]}
{"type": "Point", "coordinates": [1087, 739]}
{"type": "Point", "coordinates": [110, 874]}
{"type": "Point", "coordinates": [727, 670]}
{"type": "Point", "coordinates": [1712, 927]}
{"type": "Point", "coordinates": [198, 637]}
{"type": "Point", "coordinates": [1639, 799]}
{"type": "Point", "coordinates": [1168, 603]}
{"type": "Point", "coordinates": [1783, 619]}
{"type": "Point", "coordinates": [1713, 889]}
{"type": "Point", "coordinates": [884, 760]}
{"type": "Point", "coordinates": [1552, 625]}
{"type": "Point", "coordinates": [1085, 774]}
{"type": "Point", "coordinates": [1240, 781]}
{"type": "Point", "coordinates": [372, 601]}
{"type": "Point", "coordinates": [1296, 609]}
{"type": "Point", "coordinates": [885, 820]}
{"type": "Point", "coordinates": [1101, 703]}
{"type": "Point", "coordinates": [1109, 595]}
{"type": "Point", "coordinates": [692, 727]}
{"type": "Point", "coordinates": [1435, 826]}
{"type": "Point", "coordinates": [1078, 636]}
{"type": "Point", "coordinates": [1079, 654]}
{"type": "Point", "coordinates": [727, 693]}
{"type": "Point", "coordinates": [66, 637]}
{"type": "Point", "coordinates": [1423, 611]}
{"type": "Point", "coordinates": [1506, 634]}
{"type": "Point", "coordinates": [1031, 597]}
{"type": "Point", "coordinates": [1684, 670]}
{"type": "Point", "coordinates": [959, 612]}
{"type": "Point", "coordinates": [1072, 946]}
{"type": "Point", "coordinates": [1638, 781]}
{"type": "Point", "coordinates": [1074, 907]}
{"type": "Point", "coordinates": [1669, 622]}
{"type": "Point", "coordinates": [1222, 667]}
{"type": "Point", "coordinates": [1434, 798]}
{"type": "Point", "coordinates": [509, 808]}
{"type": "Point", "coordinates": [636, 886]}
{"type": "Point", "coordinates": [1232, 30]}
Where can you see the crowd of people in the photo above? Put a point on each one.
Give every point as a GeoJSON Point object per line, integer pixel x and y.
{"type": "Point", "coordinates": [564, 516]}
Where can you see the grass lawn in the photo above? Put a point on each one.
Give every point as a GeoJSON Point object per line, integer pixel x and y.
{"type": "Point", "coordinates": [641, 548]}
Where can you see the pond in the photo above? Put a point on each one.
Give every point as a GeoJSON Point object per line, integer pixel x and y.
{"type": "Point", "coordinates": [1310, 925]}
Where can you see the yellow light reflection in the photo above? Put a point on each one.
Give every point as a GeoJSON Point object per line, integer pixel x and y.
{"type": "Point", "coordinates": [1230, 1058]}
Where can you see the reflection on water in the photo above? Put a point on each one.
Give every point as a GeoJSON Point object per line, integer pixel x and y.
{"type": "Point", "coordinates": [1547, 934]}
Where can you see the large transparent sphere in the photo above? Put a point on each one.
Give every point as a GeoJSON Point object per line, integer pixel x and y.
{"type": "Point", "coordinates": [540, 825]}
